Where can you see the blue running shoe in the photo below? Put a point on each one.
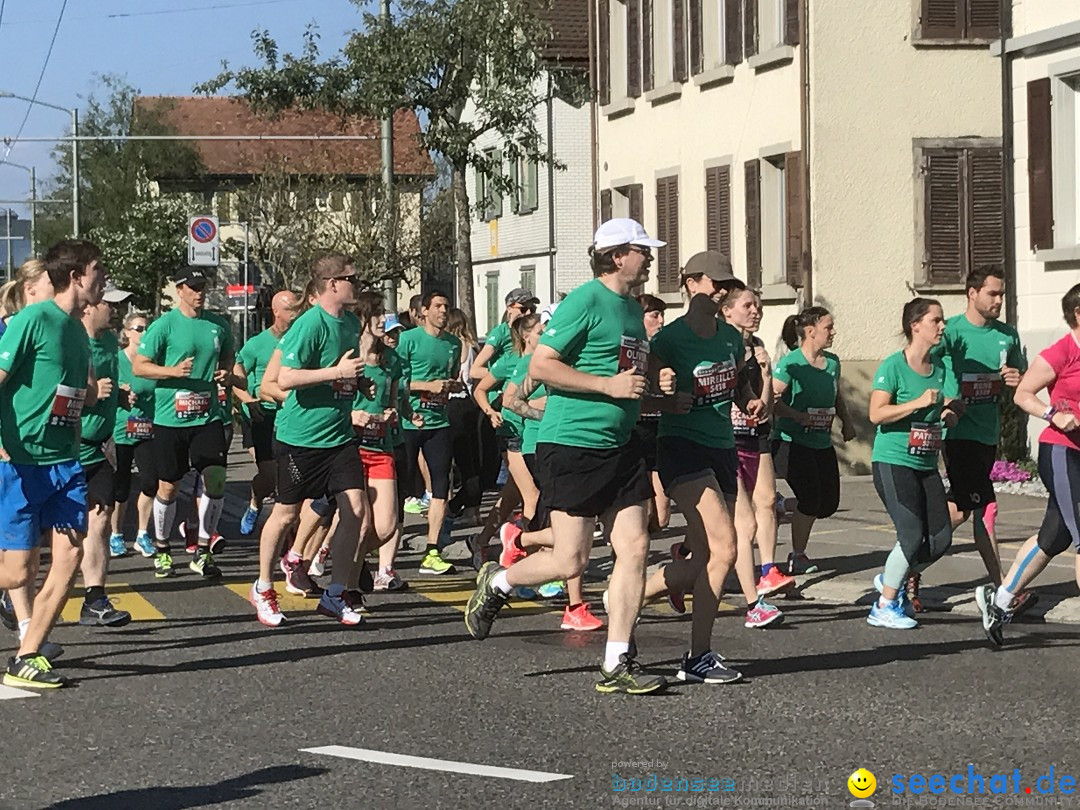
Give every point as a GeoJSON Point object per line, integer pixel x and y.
{"type": "Point", "coordinates": [891, 616]}
{"type": "Point", "coordinates": [247, 522]}
{"type": "Point", "coordinates": [425, 502]}
{"type": "Point", "coordinates": [902, 597]}
{"type": "Point", "coordinates": [117, 546]}
{"type": "Point", "coordinates": [551, 590]}
{"type": "Point", "coordinates": [524, 592]}
{"type": "Point", "coordinates": [144, 545]}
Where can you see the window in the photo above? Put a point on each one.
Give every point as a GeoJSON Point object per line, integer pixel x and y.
{"type": "Point", "coordinates": [1053, 166]}
{"type": "Point", "coordinates": [528, 279]}
{"type": "Point", "coordinates": [770, 20]}
{"type": "Point", "coordinates": [526, 186]}
{"type": "Point", "coordinates": [962, 206]}
{"type": "Point", "coordinates": [493, 302]}
{"type": "Point", "coordinates": [624, 201]}
{"type": "Point", "coordinates": [773, 235]}
{"type": "Point", "coordinates": [322, 201]}
{"type": "Point", "coordinates": [718, 209]}
{"type": "Point", "coordinates": [975, 20]}
{"type": "Point", "coordinates": [667, 230]}
{"type": "Point", "coordinates": [774, 220]}
{"type": "Point", "coordinates": [488, 195]}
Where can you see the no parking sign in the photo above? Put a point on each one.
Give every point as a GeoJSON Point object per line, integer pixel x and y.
{"type": "Point", "coordinates": [203, 247]}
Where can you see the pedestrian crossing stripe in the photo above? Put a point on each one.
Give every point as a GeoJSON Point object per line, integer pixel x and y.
{"type": "Point", "coordinates": [123, 597]}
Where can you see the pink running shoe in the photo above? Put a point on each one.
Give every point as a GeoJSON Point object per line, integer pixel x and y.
{"type": "Point", "coordinates": [508, 535]}
{"type": "Point", "coordinates": [580, 618]}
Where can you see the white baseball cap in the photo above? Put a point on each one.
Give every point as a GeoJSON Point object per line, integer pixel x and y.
{"type": "Point", "coordinates": [114, 295]}
{"type": "Point", "coordinates": [623, 231]}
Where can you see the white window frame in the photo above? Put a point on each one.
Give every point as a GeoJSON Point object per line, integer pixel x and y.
{"type": "Point", "coordinates": [773, 220]}
{"type": "Point", "coordinates": [768, 40]}
{"type": "Point", "coordinates": [1065, 139]}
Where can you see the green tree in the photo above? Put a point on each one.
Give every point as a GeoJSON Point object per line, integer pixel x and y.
{"type": "Point", "coordinates": [466, 67]}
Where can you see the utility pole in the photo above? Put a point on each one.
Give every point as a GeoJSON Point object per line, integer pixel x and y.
{"type": "Point", "coordinates": [75, 172]}
{"type": "Point", "coordinates": [390, 220]}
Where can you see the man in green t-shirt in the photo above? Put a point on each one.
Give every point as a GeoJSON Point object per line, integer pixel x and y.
{"type": "Point", "coordinates": [45, 381]}
{"type": "Point", "coordinates": [982, 355]}
{"type": "Point", "coordinates": [318, 454]}
{"type": "Point", "coordinates": [594, 360]}
{"type": "Point", "coordinates": [189, 353]}
{"type": "Point", "coordinates": [258, 427]}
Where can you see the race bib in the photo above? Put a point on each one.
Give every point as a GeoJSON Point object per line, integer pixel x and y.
{"type": "Point", "coordinates": [634, 354]}
{"type": "Point", "coordinates": [222, 396]}
{"type": "Point", "coordinates": [67, 406]}
{"type": "Point", "coordinates": [924, 439]}
{"type": "Point", "coordinates": [344, 389]}
{"type": "Point", "coordinates": [743, 424]}
{"type": "Point", "coordinates": [821, 419]}
{"type": "Point", "coordinates": [430, 401]}
{"type": "Point", "coordinates": [191, 404]}
{"type": "Point", "coordinates": [714, 383]}
{"type": "Point", "coordinates": [374, 432]}
{"type": "Point", "coordinates": [980, 389]}
{"type": "Point", "coordinates": [139, 428]}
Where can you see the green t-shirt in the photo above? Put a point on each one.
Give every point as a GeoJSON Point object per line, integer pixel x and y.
{"type": "Point", "coordinates": [137, 424]}
{"type": "Point", "coordinates": [318, 415]}
{"type": "Point", "coordinates": [973, 357]}
{"type": "Point", "coordinates": [595, 331]}
{"type": "Point", "coordinates": [707, 368]}
{"type": "Point", "coordinates": [811, 390]}
{"type": "Point", "coordinates": [98, 422]}
{"type": "Point", "coordinates": [174, 337]}
{"type": "Point", "coordinates": [46, 354]}
{"type": "Point", "coordinates": [514, 425]}
{"type": "Point", "coordinates": [424, 359]}
{"type": "Point", "coordinates": [501, 368]}
{"type": "Point", "coordinates": [915, 441]}
{"type": "Point", "coordinates": [254, 357]}
{"type": "Point", "coordinates": [376, 435]}
{"type": "Point", "coordinates": [500, 340]}
{"type": "Point", "coordinates": [397, 432]}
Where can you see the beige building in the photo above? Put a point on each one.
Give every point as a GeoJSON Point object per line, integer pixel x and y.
{"type": "Point", "coordinates": [845, 154]}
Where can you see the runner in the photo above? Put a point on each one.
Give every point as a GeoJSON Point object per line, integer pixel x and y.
{"type": "Point", "coordinates": [593, 358]}
{"type": "Point", "coordinates": [188, 352]}
{"type": "Point", "coordinates": [46, 380]}
{"type": "Point", "coordinates": [1057, 370]}
{"type": "Point", "coordinates": [133, 434]}
{"type": "Point", "coordinates": [649, 423]}
{"type": "Point", "coordinates": [317, 452]}
{"type": "Point", "coordinates": [981, 355]}
{"type": "Point", "coordinates": [465, 418]}
{"type": "Point", "coordinates": [259, 413]}
{"type": "Point", "coordinates": [909, 408]}
{"type": "Point", "coordinates": [393, 329]}
{"type": "Point", "coordinates": [431, 359]}
{"type": "Point", "coordinates": [519, 302]}
{"type": "Point", "coordinates": [806, 383]}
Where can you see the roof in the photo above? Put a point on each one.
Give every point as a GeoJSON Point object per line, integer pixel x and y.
{"type": "Point", "coordinates": [223, 115]}
{"type": "Point", "coordinates": [569, 21]}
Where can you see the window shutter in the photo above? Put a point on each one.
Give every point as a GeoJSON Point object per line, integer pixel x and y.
{"type": "Point", "coordinates": [749, 20]}
{"type": "Point", "coordinates": [496, 190]}
{"type": "Point", "coordinates": [636, 195]}
{"type": "Point", "coordinates": [753, 223]}
{"type": "Point", "coordinates": [1040, 165]}
{"type": "Point", "coordinates": [517, 181]}
{"type": "Point", "coordinates": [793, 216]}
{"type": "Point", "coordinates": [697, 45]}
{"type": "Point", "coordinates": [603, 62]}
{"type": "Point", "coordinates": [943, 19]}
{"type": "Point", "coordinates": [648, 69]}
{"type": "Point", "coordinates": [983, 19]}
{"type": "Point", "coordinates": [678, 33]}
{"type": "Point", "coordinates": [986, 210]}
{"type": "Point", "coordinates": [943, 198]}
{"type": "Point", "coordinates": [791, 22]}
{"type": "Point", "coordinates": [605, 204]}
{"type": "Point", "coordinates": [633, 48]}
{"type": "Point", "coordinates": [480, 202]}
{"type": "Point", "coordinates": [718, 209]}
{"type": "Point", "coordinates": [733, 32]}
{"type": "Point", "coordinates": [667, 230]}
{"type": "Point", "coordinates": [532, 179]}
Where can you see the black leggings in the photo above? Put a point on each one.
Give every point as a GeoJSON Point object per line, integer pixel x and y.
{"type": "Point", "coordinates": [916, 502]}
{"type": "Point", "coordinates": [141, 454]}
{"type": "Point", "coordinates": [813, 475]}
{"type": "Point", "coordinates": [438, 450]}
{"type": "Point", "coordinates": [1059, 469]}
{"type": "Point", "coordinates": [465, 417]}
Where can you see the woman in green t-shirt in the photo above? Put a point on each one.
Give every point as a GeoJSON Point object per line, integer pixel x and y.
{"type": "Point", "coordinates": [806, 384]}
{"type": "Point", "coordinates": [907, 406]}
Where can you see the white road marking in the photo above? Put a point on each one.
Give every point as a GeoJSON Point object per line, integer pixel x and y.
{"type": "Point", "coordinates": [11, 693]}
{"type": "Point", "coordinates": [450, 766]}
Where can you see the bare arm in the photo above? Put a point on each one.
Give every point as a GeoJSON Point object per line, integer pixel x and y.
{"type": "Point", "coordinates": [847, 426]}
{"type": "Point", "coordinates": [883, 411]}
{"type": "Point", "coordinates": [480, 394]}
{"type": "Point", "coordinates": [143, 366]}
{"type": "Point", "coordinates": [241, 392]}
{"type": "Point", "coordinates": [431, 386]}
{"type": "Point", "coordinates": [1035, 379]}
{"type": "Point", "coordinates": [269, 390]}
{"type": "Point", "coordinates": [349, 367]}
{"type": "Point", "coordinates": [516, 399]}
{"type": "Point", "coordinates": [480, 364]}
{"type": "Point", "coordinates": [548, 368]}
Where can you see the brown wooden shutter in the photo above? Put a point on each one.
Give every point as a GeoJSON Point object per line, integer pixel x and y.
{"type": "Point", "coordinates": [667, 230]}
{"type": "Point", "coordinates": [636, 195]}
{"type": "Point", "coordinates": [1040, 165]}
{"type": "Point", "coordinates": [753, 223]}
{"type": "Point", "coordinates": [633, 48]}
{"type": "Point", "coordinates": [983, 19]}
{"type": "Point", "coordinates": [648, 68]}
{"type": "Point", "coordinates": [603, 61]}
{"type": "Point", "coordinates": [943, 19]}
{"type": "Point", "coordinates": [945, 248]}
{"type": "Point", "coordinates": [791, 22]}
{"type": "Point", "coordinates": [697, 44]}
{"type": "Point", "coordinates": [718, 209]}
{"type": "Point", "coordinates": [733, 32]}
{"type": "Point", "coordinates": [986, 207]}
{"type": "Point", "coordinates": [750, 38]}
{"type": "Point", "coordinates": [605, 204]}
{"type": "Point", "coordinates": [678, 33]}
{"type": "Point", "coordinates": [793, 217]}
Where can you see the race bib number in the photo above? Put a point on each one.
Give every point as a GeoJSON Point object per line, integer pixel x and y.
{"type": "Point", "coordinates": [374, 432]}
{"type": "Point", "coordinates": [139, 428]}
{"type": "Point", "coordinates": [430, 401]}
{"type": "Point", "coordinates": [714, 383]}
{"type": "Point", "coordinates": [980, 389]}
{"type": "Point", "coordinates": [191, 404]}
{"type": "Point", "coordinates": [634, 354]}
{"type": "Point", "coordinates": [344, 389]}
{"type": "Point", "coordinates": [67, 406]}
{"type": "Point", "coordinates": [924, 439]}
{"type": "Point", "coordinates": [743, 424]}
{"type": "Point", "coordinates": [821, 419]}
{"type": "Point", "coordinates": [222, 396]}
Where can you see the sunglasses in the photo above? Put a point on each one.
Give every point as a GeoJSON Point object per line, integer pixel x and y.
{"type": "Point", "coordinates": [646, 252]}
{"type": "Point", "coordinates": [353, 279]}
{"type": "Point", "coordinates": [137, 328]}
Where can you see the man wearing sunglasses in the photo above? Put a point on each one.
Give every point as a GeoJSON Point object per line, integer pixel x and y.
{"type": "Point", "coordinates": [189, 353]}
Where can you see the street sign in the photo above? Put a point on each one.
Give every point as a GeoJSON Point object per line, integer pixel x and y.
{"type": "Point", "coordinates": [203, 247]}
{"type": "Point", "coordinates": [242, 297]}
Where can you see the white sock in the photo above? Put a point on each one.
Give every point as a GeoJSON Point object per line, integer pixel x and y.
{"type": "Point", "coordinates": [164, 518]}
{"type": "Point", "coordinates": [24, 625]}
{"type": "Point", "coordinates": [612, 651]}
{"type": "Point", "coordinates": [1003, 598]}
{"type": "Point", "coordinates": [262, 586]}
{"type": "Point", "coordinates": [210, 510]}
{"type": "Point", "coordinates": [882, 602]}
{"type": "Point", "coordinates": [499, 582]}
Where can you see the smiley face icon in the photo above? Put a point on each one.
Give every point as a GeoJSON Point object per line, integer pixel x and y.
{"type": "Point", "coordinates": [862, 784]}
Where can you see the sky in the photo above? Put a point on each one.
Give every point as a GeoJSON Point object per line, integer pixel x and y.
{"type": "Point", "coordinates": [160, 47]}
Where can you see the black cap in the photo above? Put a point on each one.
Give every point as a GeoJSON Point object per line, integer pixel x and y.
{"type": "Point", "coordinates": [191, 276]}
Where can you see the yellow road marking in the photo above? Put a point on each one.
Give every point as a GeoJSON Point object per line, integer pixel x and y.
{"type": "Point", "coordinates": [456, 593]}
{"type": "Point", "coordinates": [123, 597]}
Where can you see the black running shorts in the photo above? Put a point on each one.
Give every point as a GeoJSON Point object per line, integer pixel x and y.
{"type": "Point", "coordinates": [176, 450]}
{"type": "Point", "coordinates": [680, 460]}
{"type": "Point", "coordinates": [968, 465]}
{"type": "Point", "coordinates": [317, 472]}
{"type": "Point", "coordinates": [588, 481]}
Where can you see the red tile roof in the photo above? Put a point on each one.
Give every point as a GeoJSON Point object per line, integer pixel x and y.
{"type": "Point", "coordinates": [218, 115]}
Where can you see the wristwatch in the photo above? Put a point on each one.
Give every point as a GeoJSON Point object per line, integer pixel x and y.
{"type": "Point", "coordinates": [1048, 414]}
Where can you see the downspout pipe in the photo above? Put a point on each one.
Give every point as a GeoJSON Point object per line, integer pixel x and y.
{"type": "Point", "coordinates": [804, 114]}
{"type": "Point", "coordinates": [551, 186]}
{"type": "Point", "coordinates": [1008, 149]}
{"type": "Point", "coordinates": [593, 111]}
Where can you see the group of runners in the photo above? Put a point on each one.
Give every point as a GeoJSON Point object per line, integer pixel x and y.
{"type": "Point", "coordinates": [602, 414]}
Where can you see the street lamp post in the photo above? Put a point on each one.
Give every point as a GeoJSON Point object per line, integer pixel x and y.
{"type": "Point", "coordinates": [74, 151]}
{"type": "Point", "coordinates": [33, 201]}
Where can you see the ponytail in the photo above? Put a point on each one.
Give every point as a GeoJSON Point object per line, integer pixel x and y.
{"type": "Point", "coordinates": [794, 329]}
